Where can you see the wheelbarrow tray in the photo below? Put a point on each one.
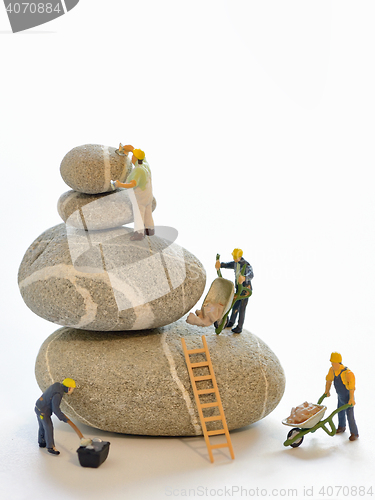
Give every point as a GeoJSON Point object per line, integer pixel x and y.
{"type": "Point", "coordinates": [221, 292]}
{"type": "Point", "coordinates": [310, 422]}
{"type": "Point", "coordinates": [91, 457]}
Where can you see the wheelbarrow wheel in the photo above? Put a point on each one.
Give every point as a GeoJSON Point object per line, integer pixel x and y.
{"type": "Point", "coordinates": [293, 433]}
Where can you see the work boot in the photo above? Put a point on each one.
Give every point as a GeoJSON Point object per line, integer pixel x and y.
{"type": "Point", "coordinates": [149, 232]}
{"type": "Point", "coordinates": [136, 236]}
{"type": "Point", "coordinates": [353, 437]}
{"type": "Point", "coordinates": [42, 444]}
{"type": "Point", "coordinates": [229, 324]}
{"type": "Point", "coordinates": [340, 430]}
{"type": "Point", "coordinates": [53, 451]}
{"type": "Point", "coordinates": [237, 329]}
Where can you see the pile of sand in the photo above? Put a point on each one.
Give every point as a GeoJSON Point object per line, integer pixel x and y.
{"type": "Point", "coordinates": [302, 413]}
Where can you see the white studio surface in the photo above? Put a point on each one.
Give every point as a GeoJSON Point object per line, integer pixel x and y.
{"type": "Point", "coordinates": [257, 119]}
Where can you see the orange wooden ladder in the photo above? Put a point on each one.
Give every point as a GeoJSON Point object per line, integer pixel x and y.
{"type": "Point", "coordinates": [214, 390]}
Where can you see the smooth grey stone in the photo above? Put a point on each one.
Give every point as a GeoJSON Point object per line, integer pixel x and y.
{"type": "Point", "coordinates": [90, 168]}
{"type": "Point", "coordinates": [139, 384]}
{"type": "Point", "coordinates": [96, 211]}
{"type": "Point", "coordinates": [101, 280]}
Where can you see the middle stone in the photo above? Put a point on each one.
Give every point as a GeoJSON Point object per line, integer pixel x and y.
{"type": "Point", "coordinates": [104, 281]}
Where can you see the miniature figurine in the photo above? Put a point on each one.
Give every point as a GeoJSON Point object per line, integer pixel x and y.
{"type": "Point", "coordinates": [344, 382]}
{"type": "Point", "coordinates": [240, 306]}
{"type": "Point", "coordinates": [48, 403]}
{"type": "Point", "coordinates": [140, 180]}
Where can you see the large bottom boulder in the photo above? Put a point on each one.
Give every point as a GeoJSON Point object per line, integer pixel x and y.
{"type": "Point", "coordinates": [138, 383]}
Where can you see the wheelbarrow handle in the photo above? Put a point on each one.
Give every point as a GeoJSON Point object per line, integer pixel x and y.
{"type": "Point", "coordinates": [321, 398]}
{"type": "Point", "coordinates": [218, 270]}
{"type": "Point", "coordinates": [329, 420]}
{"type": "Point", "coordinates": [242, 288]}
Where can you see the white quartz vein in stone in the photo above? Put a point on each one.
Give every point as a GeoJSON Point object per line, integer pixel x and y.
{"type": "Point", "coordinates": [65, 271]}
{"type": "Point", "coordinates": [265, 379]}
{"type": "Point", "coordinates": [180, 385]}
{"type": "Point", "coordinates": [47, 361]}
{"type": "Point", "coordinates": [144, 316]}
{"type": "Point", "coordinates": [107, 168]}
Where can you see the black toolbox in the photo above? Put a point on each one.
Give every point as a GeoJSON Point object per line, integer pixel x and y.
{"type": "Point", "coordinates": [93, 456]}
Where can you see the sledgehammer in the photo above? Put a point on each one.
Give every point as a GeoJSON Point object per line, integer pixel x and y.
{"type": "Point", "coordinates": [84, 441]}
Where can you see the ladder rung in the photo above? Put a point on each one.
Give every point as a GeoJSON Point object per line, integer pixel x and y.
{"type": "Point", "coordinates": [222, 445]}
{"type": "Point", "coordinates": [216, 433]}
{"type": "Point", "coordinates": [211, 419]}
{"type": "Point", "coordinates": [196, 351]}
{"type": "Point", "coordinates": [203, 377]}
{"type": "Point", "coordinates": [202, 363]}
{"type": "Point", "coordinates": [209, 405]}
{"type": "Point", "coordinates": [206, 391]}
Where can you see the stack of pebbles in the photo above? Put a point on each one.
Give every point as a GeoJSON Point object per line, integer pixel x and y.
{"type": "Point", "coordinates": [120, 303]}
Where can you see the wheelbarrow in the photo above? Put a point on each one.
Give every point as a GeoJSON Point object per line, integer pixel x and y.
{"type": "Point", "coordinates": [224, 289]}
{"type": "Point", "coordinates": [295, 436]}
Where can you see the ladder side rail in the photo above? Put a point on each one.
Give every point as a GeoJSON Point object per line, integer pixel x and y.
{"type": "Point", "coordinates": [196, 396]}
{"type": "Point", "coordinates": [218, 398]}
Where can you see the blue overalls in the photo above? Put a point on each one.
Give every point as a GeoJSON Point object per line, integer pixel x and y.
{"type": "Point", "coordinates": [343, 399]}
{"type": "Point", "coordinates": [240, 305]}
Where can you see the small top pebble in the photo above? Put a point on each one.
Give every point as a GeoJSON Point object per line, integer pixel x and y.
{"type": "Point", "coordinates": [89, 168]}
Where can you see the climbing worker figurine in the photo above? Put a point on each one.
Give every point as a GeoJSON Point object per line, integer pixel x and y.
{"type": "Point", "coordinates": [344, 382]}
{"type": "Point", "coordinates": [48, 403]}
{"type": "Point", "coordinates": [141, 197]}
{"type": "Point", "coordinates": [240, 306]}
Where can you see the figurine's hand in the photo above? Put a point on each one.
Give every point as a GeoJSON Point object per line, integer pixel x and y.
{"type": "Point", "coordinates": [241, 279]}
{"type": "Point", "coordinates": [217, 264]}
{"type": "Point", "coordinates": [351, 401]}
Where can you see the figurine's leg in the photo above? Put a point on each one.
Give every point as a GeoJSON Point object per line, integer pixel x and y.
{"type": "Point", "coordinates": [41, 438]}
{"type": "Point", "coordinates": [138, 213]}
{"type": "Point", "coordinates": [149, 221]}
{"type": "Point", "coordinates": [139, 225]}
{"type": "Point", "coordinates": [234, 313]}
{"type": "Point", "coordinates": [351, 421]}
{"type": "Point", "coordinates": [342, 414]}
{"type": "Point", "coordinates": [48, 431]}
{"type": "Point", "coordinates": [241, 318]}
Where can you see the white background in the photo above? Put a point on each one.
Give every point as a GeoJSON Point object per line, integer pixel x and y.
{"type": "Point", "coordinates": [257, 118]}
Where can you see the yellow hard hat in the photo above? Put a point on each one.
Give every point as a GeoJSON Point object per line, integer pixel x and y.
{"type": "Point", "coordinates": [237, 253]}
{"type": "Point", "coordinates": [336, 357]}
{"type": "Point", "coordinates": [69, 382]}
{"type": "Point", "coordinates": [139, 154]}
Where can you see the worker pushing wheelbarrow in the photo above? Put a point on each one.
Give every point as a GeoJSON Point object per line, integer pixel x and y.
{"type": "Point", "coordinates": [309, 417]}
{"type": "Point", "coordinates": [222, 297]}
{"type": "Point", "coordinates": [312, 423]}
